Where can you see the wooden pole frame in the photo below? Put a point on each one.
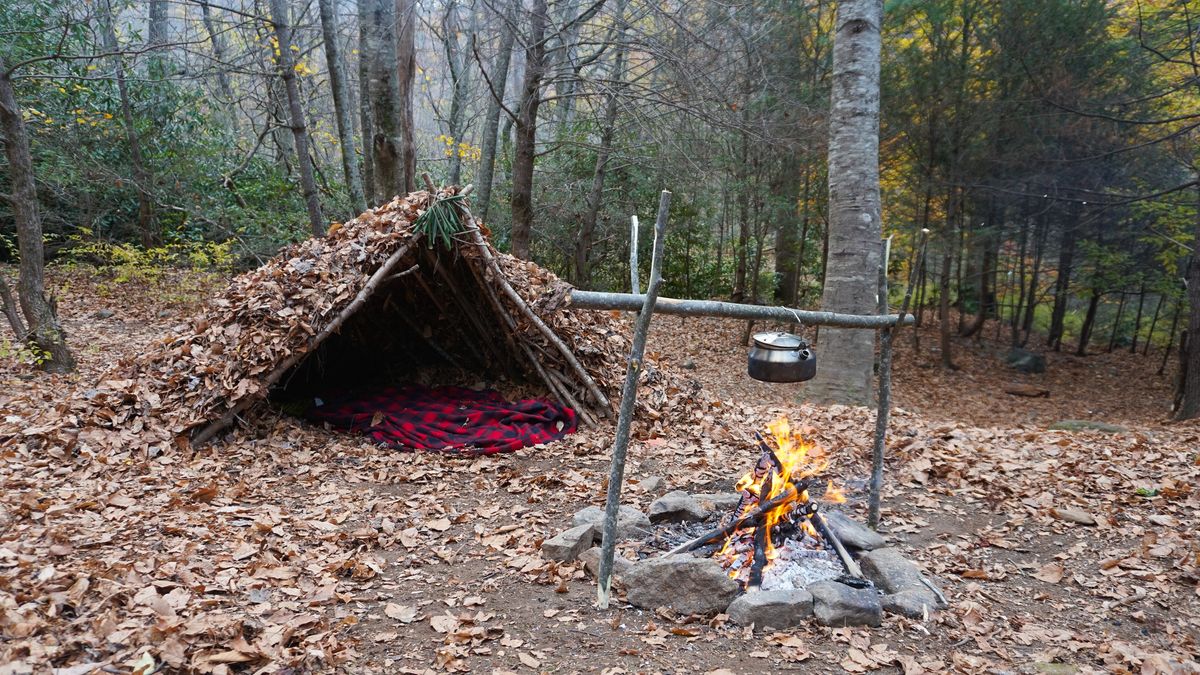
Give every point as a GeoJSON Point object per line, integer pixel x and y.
{"type": "Point", "coordinates": [616, 474]}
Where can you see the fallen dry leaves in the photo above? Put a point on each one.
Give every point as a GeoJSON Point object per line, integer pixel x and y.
{"type": "Point", "coordinates": [292, 548]}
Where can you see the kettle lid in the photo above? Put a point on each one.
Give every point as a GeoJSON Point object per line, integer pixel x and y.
{"type": "Point", "coordinates": [779, 340]}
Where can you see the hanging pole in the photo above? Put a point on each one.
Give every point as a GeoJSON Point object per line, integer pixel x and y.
{"type": "Point", "coordinates": [628, 398]}
{"type": "Point", "coordinates": [885, 375]}
{"type": "Point", "coordinates": [634, 285]}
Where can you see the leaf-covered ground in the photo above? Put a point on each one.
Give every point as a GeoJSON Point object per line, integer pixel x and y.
{"type": "Point", "coordinates": [292, 549]}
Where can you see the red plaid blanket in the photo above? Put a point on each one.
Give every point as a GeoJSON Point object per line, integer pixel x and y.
{"type": "Point", "coordinates": [446, 419]}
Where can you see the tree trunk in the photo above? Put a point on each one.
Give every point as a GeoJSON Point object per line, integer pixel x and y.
{"type": "Point", "coordinates": [1162, 367]}
{"type": "Point", "coordinates": [1062, 284]}
{"type": "Point", "coordinates": [1031, 301]}
{"type": "Point", "coordinates": [854, 205]}
{"type": "Point", "coordinates": [944, 331]}
{"type": "Point", "coordinates": [141, 175]}
{"type": "Point", "coordinates": [524, 150]}
{"type": "Point", "coordinates": [458, 59]}
{"type": "Point", "coordinates": [224, 85]}
{"type": "Point", "coordinates": [499, 82]}
{"type": "Point", "coordinates": [740, 252]}
{"type": "Point", "coordinates": [1022, 249]}
{"type": "Point", "coordinates": [587, 229]}
{"type": "Point", "coordinates": [1112, 336]}
{"type": "Point", "coordinates": [1189, 405]}
{"type": "Point", "coordinates": [366, 122]}
{"type": "Point", "coordinates": [1153, 324]}
{"type": "Point", "coordinates": [341, 105]}
{"type": "Point", "coordinates": [41, 320]}
{"type": "Point", "coordinates": [287, 71]}
{"type": "Point", "coordinates": [406, 66]}
{"type": "Point", "coordinates": [385, 101]}
{"type": "Point", "coordinates": [784, 195]}
{"type": "Point", "coordinates": [1137, 319]}
{"type": "Point", "coordinates": [1089, 321]}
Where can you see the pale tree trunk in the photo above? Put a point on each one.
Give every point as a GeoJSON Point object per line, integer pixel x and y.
{"type": "Point", "coordinates": [526, 132]}
{"type": "Point", "coordinates": [458, 60]}
{"type": "Point", "coordinates": [43, 328]}
{"type": "Point", "coordinates": [1189, 405]}
{"type": "Point", "coordinates": [141, 175]}
{"type": "Point", "coordinates": [287, 71]}
{"type": "Point", "coordinates": [499, 82]}
{"type": "Point", "coordinates": [228, 109]}
{"type": "Point", "coordinates": [341, 104]}
{"type": "Point", "coordinates": [406, 66]}
{"type": "Point", "coordinates": [365, 122]}
{"type": "Point", "coordinates": [587, 230]}
{"type": "Point", "coordinates": [855, 226]}
{"type": "Point", "coordinates": [385, 97]}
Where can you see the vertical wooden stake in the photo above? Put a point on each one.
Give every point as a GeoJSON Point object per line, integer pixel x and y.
{"type": "Point", "coordinates": [885, 376]}
{"type": "Point", "coordinates": [635, 286]}
{"type": "Point", "coordinates": [628, 397]}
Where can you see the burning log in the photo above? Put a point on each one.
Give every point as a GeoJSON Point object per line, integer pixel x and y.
{"type": "Point", "coordinates": [752, 519]}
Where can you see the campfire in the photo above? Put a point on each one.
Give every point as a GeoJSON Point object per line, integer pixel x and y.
{"type": "Point", "coordinates": [776, 552]}
{"type": "Point", "coordinates": [776, 536]}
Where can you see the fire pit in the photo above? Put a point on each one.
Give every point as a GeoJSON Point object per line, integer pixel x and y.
{"type": "Point", "coordinates": [774, 553]}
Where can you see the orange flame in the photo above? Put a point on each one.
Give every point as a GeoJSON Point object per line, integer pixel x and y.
{"type": "Point", "coordinates": [794, 459]}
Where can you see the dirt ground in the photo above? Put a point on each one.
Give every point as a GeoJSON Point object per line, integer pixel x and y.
{"type": "Point", "coordinates": [288, 548]}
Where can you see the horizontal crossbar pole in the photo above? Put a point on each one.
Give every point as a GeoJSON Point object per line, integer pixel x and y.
{"type": "Point", "coordinates": [731, 310]}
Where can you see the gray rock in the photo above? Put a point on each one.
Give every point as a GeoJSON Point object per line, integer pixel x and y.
{"type": "Point", "coordinates": [891, 571]}
{"type": "Point", "coordinates": [685, 584]}
{"type": "Point", "coordinates": [689, 364]}
{"type": "Point", "coordinates": [591, 563]}
{"type": "Point", "coordinates": [1087, 425]}
{"type": "Point", "coordinates": [722, 502]}
{"type": "Point", "coordinates": [104, 314]}
{"type": "Point", "coordinates": [773, 609]}
{"type": "Point", "coordinates": [568, 545]}
{"type": "Point", "coordinates": [837, 604]}
{"type": "Point", "coordinates": [652, 485]}
{"type": "Point", "coordinates": [630, 522]}
{"type": "Point", "coordinates": [853, 534]}
{"type": "Point", "coordinates": [913, 603]}
{"type": "Point", "coordinates": [1025, 361]}
{"type": "Point", "coordinates": [677, 507]}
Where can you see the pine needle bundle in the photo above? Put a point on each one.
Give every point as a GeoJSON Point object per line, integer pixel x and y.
{"type": "Point", "coordinates": [442, 220]}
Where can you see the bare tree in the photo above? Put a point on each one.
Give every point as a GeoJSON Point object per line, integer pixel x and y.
{"type": "Point", "coordinates": [341, 104]}
{"type": "Point", "coordinates": [525, 120]}
{"type": "Point", "coordinates": [287, 71]}
{"type": "Point", "coordinates": [142, 179]}
{"type": "Point", "coordinates": [43, 326]}
{"type": "Point", "coordinates": [406, 67]}
{"type": "Point", "coordinates": [497, 83]}
{"type": "Point", "coordinates": [854, 205]}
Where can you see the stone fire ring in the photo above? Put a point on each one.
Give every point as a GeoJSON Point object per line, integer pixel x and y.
{"type": "Point", "coordinates": [699, 585]}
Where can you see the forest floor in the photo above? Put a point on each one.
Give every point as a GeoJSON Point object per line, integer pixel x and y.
{"type": "Point", "coordinates": [296, 549]}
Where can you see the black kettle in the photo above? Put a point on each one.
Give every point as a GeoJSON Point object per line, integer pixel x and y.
{"type": "Point", "coordinates": [781, 357]}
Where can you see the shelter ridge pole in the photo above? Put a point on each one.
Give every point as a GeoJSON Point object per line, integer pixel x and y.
{"type": "Point", "coordinates": [628, 399]}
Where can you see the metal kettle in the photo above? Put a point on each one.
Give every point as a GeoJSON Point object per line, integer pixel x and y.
{"type": "Point", "coordinates": [781, 357]}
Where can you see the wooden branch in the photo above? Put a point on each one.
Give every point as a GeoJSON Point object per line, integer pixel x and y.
{"type": "Point", "coordinates": [616, 475]}
{"type": "Point", "coordinates": [751, 519]}
{"type": "Point", "coordinates": [523, 308]}
{"type": "Point", "coordinates": [829, 535]}
{"type": "Point", "coordinates": [635, 286]}
{"type": "Point", "coordinates": [630, 302]}
{"type": "Point", "coordinates": [373, 284]}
